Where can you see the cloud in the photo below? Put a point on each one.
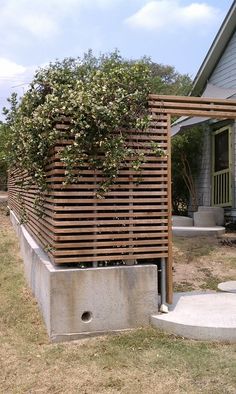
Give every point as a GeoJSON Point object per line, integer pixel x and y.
{"type": "Point", "coordinates": [38, 18]}
{"type": "Point", "coordinates": [14, 77]}
{"type": "Point", "coordinates": [9, 69]}
{"type": "Point", "coordinates": [166, 14]}
{"type": "Point", "coordinates": [41, 18]}
{"type": "Point", "coordinates": [39, 25]}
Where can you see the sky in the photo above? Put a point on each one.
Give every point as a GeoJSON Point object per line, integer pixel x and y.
{"type": "Point", "coordinates": [36, 32]}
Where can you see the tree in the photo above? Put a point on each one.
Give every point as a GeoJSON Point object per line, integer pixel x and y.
{"type": "Point", "coordinates": [4, 136]}
{"type": "Point", "coordinates": [186, 159]}
{"type": "Point", "coordinates": [166, 80]}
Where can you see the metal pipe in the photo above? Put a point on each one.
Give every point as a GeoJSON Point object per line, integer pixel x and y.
{"type": "Point", "coordinates": [163, 307]}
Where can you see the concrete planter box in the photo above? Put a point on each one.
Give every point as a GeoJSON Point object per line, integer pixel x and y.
{"type": "Point", "coordinates": [80, 302]}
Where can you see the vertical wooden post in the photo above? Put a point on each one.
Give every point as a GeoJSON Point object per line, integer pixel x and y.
{"type": "Point", "coordinates": [132, 261]}
{"type": "Point", "coordinates": [169, 273]}
{"type": "Point", "coordinates": [131, 233]}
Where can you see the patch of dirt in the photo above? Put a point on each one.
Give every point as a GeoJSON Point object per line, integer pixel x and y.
{"type": "Point", "coordinates": [202, 263]}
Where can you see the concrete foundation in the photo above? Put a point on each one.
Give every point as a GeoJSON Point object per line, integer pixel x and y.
{"type": "Point", "coordinates": [81, 302]}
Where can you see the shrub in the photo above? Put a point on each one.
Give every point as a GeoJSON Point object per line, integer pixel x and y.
{"type": "Point", "coordinates": [103, 98]}
{"type": "Point", "coordinates": [186, 159]}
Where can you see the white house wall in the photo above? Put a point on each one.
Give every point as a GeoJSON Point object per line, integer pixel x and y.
{"type": "Point", "coordinates": [234, 164]}
{"type": "Point", "coordinates": [224, 74]}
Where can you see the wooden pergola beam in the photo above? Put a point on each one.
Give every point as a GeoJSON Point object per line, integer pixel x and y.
{"type": "Point", "coordinates": [192, 106]}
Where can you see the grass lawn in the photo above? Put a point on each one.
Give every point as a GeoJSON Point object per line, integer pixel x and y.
{"type": "Point", "coordinates": [141, 361]}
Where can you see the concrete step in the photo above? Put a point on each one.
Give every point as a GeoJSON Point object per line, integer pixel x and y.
{"type": "Point", "coordinates": [218, 213]}
{"type": "Point", "coordinates": [198, 231]}
{"type": "Point", "coordinates": [3, 196]}
{"type": "Point", "coordinates": [204, 219]}
{"type": "Point", "coordinates": [228, 287]}
{"type": "Point", "coordinates": [208, 316]}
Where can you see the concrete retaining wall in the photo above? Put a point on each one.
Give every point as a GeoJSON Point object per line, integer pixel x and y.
{"type": "Point", "coordinates": [80, 302]}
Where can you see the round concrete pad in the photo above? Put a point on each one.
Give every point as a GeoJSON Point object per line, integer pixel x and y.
{"type": "Point", "coordinates": [200, 315]}
{"type": "Point", "coordinates": [198, 231]}
{"type": "Point", "coordinates": [229, 287]}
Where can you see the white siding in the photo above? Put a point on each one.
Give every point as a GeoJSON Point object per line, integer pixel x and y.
{"type": "Point", "coordinates": [234, 164]}
{"type": "Point", "coordinates": [224, 75]}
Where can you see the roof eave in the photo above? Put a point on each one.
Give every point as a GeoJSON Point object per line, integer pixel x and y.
{"type": "Point", "coordinates": [215, 51]}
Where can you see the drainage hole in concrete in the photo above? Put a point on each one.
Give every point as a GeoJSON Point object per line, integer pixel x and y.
{"type": "Point", "coordinates": [86, 317]}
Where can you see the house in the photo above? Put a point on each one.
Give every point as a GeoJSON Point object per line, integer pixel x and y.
{"type": "Point", "coordinates": [216, 183]}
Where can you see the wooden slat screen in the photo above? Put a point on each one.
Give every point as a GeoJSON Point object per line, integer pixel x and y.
{"type": "Point", "coordinates": [132, 221]}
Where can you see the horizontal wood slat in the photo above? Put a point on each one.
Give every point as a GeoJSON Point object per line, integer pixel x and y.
{"type": "Point", "coordinates": [118, 257]}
